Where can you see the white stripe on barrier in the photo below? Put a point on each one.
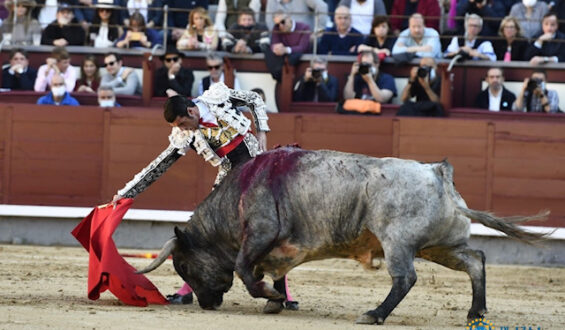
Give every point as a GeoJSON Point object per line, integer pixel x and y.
{"type": "Point", "coordinates": [183, 216]}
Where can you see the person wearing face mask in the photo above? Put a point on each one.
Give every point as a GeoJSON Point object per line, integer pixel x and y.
{"type": "Point", "coordinates": [19, 75]}
{"type": "Point", "coordinates": [529, 13]}
{"type": "Point", "coordinates": [366, 82]}
{"type": "Point", "coordinates": [65, 30]}
{"type": "Point", "coordinates": [535, 97]}
{"type": "Point", "coordinates": [549, 47]}
{"type": "Point", "coordinates": [424, 87]}
{"type": "Point", "coordinates": [58, 63]}
{"type": "Point", "coordinates": [316, 85]}
{"type": "Point", "coordinates": [58, 94]}
{"type": "Point", "coordinates": [107, 97]}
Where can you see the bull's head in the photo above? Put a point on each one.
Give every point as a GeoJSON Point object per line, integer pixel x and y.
{"type": "Point", "coordinates": [200, 265]}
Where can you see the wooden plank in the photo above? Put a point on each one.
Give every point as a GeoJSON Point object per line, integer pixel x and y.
{"type": "Point", "coordinates": [506, 206]}
{"type": "Point", "coordinates": [64, 151]}
{"type": "Point", "coordinates": [446, 128]}
{"type": "Point", "coordinates": [352, 142]}
{"type": "Point", "coordinates": [32, 131]}
{"type": "Point", "coordinates": [547, 167]}
{"type": "Point", "coordinates": [58, 114]}
{"type": "Point", "coordinates": [526, 149]}
{"type": "Point", "coordinates": [64, 185]}
{"type": "Point", "coordinates": [346, 124]}
{"type": "Point", "coordinates": [530, 131]}
{"type": "Point", "coordinates": [440, 145]}
{"type": "Point", "coordinates": [526, 187]}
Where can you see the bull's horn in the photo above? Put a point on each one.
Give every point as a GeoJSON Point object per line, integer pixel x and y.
{"type": "Point", "coordinates": [163, 255]}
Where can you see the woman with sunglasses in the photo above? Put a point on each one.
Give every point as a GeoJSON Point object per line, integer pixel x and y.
{"type": "Point", "coordinates": [105, 28]}
{"type": "Point", "coordinates": [200, 33]}
{"type": "Point", "coordinates": [172, 75]}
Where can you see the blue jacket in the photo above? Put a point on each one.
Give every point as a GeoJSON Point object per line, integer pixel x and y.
{"type": "Point", "coordinates": [332, 43]}
{"type": "Point", "coordinates": [48, 100]}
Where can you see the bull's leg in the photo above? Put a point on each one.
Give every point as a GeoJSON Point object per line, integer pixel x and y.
{"type": "Point", "coordinates": [276, 306]}
{"type": "Point", "coordinates": [472, 262]}
{"type": "Point", "coordinates": [400, 265]}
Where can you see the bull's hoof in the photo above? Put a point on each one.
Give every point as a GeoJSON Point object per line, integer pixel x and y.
{"type": "Point", "coordinates": [273, 307]}
{"type": "Point", "coordinates": [291, 305]}
{"type": "Point", "coordinates": [369, 319]}
{"type": "Point", "coordinates": [476, 314]}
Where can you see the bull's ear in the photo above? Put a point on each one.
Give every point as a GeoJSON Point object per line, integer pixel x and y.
{"type": "Point", "coordinates": [182, 238]}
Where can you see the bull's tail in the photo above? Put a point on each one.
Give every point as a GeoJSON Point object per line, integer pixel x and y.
{"type": "Point", "coordinates": [503, 224]}
{"type": "Point", "coordinates": [163, 255]}
{"type": "Point", "coordinates": [506, 224]}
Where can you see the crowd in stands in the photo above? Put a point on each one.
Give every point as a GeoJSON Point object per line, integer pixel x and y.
{"type": "Point", "coordinates": [283, 30]}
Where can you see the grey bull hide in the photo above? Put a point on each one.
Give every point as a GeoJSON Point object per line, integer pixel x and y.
{"type": "Point", "coordinates": [289, 206]}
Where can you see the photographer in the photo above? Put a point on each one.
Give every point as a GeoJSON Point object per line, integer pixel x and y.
{"type": "Point", "coordinates": [424, 85]}
{"type": "Point", "coordinates": [316, 85]}
{"type": "Point", "coordinates": [535, 97]}
{"type": "Point", "coordinates": [366, 82]}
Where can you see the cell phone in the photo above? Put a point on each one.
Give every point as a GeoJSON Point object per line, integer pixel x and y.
{"type": "Point", "coordinates": [135, 36]}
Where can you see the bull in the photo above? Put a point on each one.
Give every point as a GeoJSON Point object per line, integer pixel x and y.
{"type": "Point", "coordinates": [289, 206]}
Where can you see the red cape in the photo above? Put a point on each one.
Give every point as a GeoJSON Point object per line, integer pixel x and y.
{"type": "Point", "coordinates": [106, 268]}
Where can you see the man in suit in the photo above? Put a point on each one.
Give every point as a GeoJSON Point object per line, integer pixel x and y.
{"type": "Point", "coordinates": [173, 75]}
{"type": "Point", "coordinates": [549, 47]}
{"type": "Point", "coordinates": [495, 97]}
{"type": "Point", "coordinates": [18, 76]}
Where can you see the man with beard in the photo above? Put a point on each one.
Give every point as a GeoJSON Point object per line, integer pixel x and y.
{"type": "Point", "coordinates": [495, 97]}
{"type": "Point", "coordinates": [65, 30]}
{"type": "Point", "coordinates": [246, 34]}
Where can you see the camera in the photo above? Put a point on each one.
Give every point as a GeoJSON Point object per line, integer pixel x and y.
{"type": "Point", "coordinates": [423, 71]}
{"type": "Point", "coordinates": [316, 73]}
{"type": "Point", "coordinates": [364, 68]}
{"type": "Point", "coordinates": [533, 84]}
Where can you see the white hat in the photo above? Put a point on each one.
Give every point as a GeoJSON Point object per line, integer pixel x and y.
{"type": "Point", "coordinates": [218, 93]}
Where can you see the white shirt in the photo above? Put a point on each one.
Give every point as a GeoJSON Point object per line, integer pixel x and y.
{"type": "Point", "coordinates": [48, 13]}
{"type": "Point", "coordinates": [362, 15]}
{"type": "Point", "coordinates": [201, 86]}
{"type": "Point", "coordinates": [494, 101]}
{"type": "Point", "coordinates": [101, 40]}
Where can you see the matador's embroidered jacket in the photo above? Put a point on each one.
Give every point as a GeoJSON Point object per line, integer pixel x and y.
{"type": "Point", "coordinates": [222, 128]}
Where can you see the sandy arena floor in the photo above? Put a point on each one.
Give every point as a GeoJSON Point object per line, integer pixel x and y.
{"type": "Point", "coordinates": [45, 288]}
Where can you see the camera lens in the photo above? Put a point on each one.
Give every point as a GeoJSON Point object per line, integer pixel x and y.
{"type": "Point", "coordinates": [423, 72]}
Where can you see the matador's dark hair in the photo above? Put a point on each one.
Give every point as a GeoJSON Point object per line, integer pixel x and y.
{"type": "Point", "coordinates": [176, 106]}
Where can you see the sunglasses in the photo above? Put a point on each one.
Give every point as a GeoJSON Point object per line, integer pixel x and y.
{"type": "Point", "coordinates": [171, 59]}
{"type": "Point", "coordinates": [214, 67]}
{"type": "Point", "coordinates": [282, 22]}
{"type": "Point", "coordinates": [110, 63]}
{"type": "Point", "coordinates": [104, 9]}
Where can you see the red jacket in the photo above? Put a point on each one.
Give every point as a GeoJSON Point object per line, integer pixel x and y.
{"type": "Point", "coordinates": [428, 8]}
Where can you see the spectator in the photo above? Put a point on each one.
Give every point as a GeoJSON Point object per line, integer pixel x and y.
{"type": "Point", "coordinates": [470, 46]}
{"type": "Point", "coordinates": [290, 38]}
{"type": "Point", "coordinates": [172, 75]}
{"type": "Point", "coordinates": [216, 69]}
{"type": "Point", "coordinates": [45, 12]}
{"type": "Point", "coordinates": [243, 37]}
{"type": "Point", "coordinates": [26, 30]}
{"type": "Point", "coordinates": [137, 6]}
{"type": "Point", "coordinates": [534, 95]}
{"type": "Point", "coordinates": [549, 47]}
{"type": "Point", "coordinates": [104, 31]}
{"type": "Point", "coordinates": [123, 80]}
{"type": "Point", "coordinates": [362, 13]}
{"type": "Point", "coordinates": [65, 30]}
{"type": "Point", "coordinates": [558, 7]}
{"type": "Point", "coordinates": [200, 33]}
{"type": "Point", "coordinates": [493, 11]}
{"type": "Point", "coordinates": [58, 94]}
{"type": "Point", "coordinates": [300, 10]}
{"type": "Point", "coordinates": [342, 39]}
{"type": "Point", "coordinates": [138, 35]}
{"type": "Point", "coordinates": [229, 11]}
{"type": "Point", "coordinates": [510, 47]}
{"type": "Point", "coordinates": [429, 9]}
{"type": "Point", "coordinates": [59, 62]}
{"type": "Point", "coordinates": [418, 40]}
{"type": "Point", "coordinates": [380, 41]}
{"type": "Point", "coordinates": [178, 15]}
{"type": "Point", "coordinates": [316, 85]}
{"type": "Point", "coordinates": [424, 84]}
{"type": "Point", "coordinates": [89, 76]}
{"type": "Point", "coordinates": [365, 81]}
{"type": "Point", "coordinates": [155, 16]}
{"type": "Point", "coordinates": [107, 97]}
{"type": "Point", "coordinates": [19, 75]}
{"type": "Point", "coordinates": [261, 93]}
{"type": "Point", "coordinates": [529, 13]}
{"type": "Point", "coordinates": [495, 97]}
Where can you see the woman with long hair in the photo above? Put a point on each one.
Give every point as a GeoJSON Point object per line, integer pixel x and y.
{"type": "Point", "coordinates": [89, 76]}
{"type": "Point", "coordinates": [511, 46]}
{"type": "Point", "coordinates": [138, 35]}
{"type": "Point", "coordinates": [200, 33]}
{"type": "Point", "coordinates": [25, 29]}
{"type": "Point", "coordinates": [105, 29]}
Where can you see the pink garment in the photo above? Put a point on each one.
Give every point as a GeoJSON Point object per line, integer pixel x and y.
{"type": "Point", "coordinates": [451, 15]}
{"type": "Point", "coordinates": [43, 80]}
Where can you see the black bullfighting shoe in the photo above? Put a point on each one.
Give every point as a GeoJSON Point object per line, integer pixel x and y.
{"type": "Point", "coordinates": [177, 299]}
{"type": "Point", "coordinates": [291, 305]}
